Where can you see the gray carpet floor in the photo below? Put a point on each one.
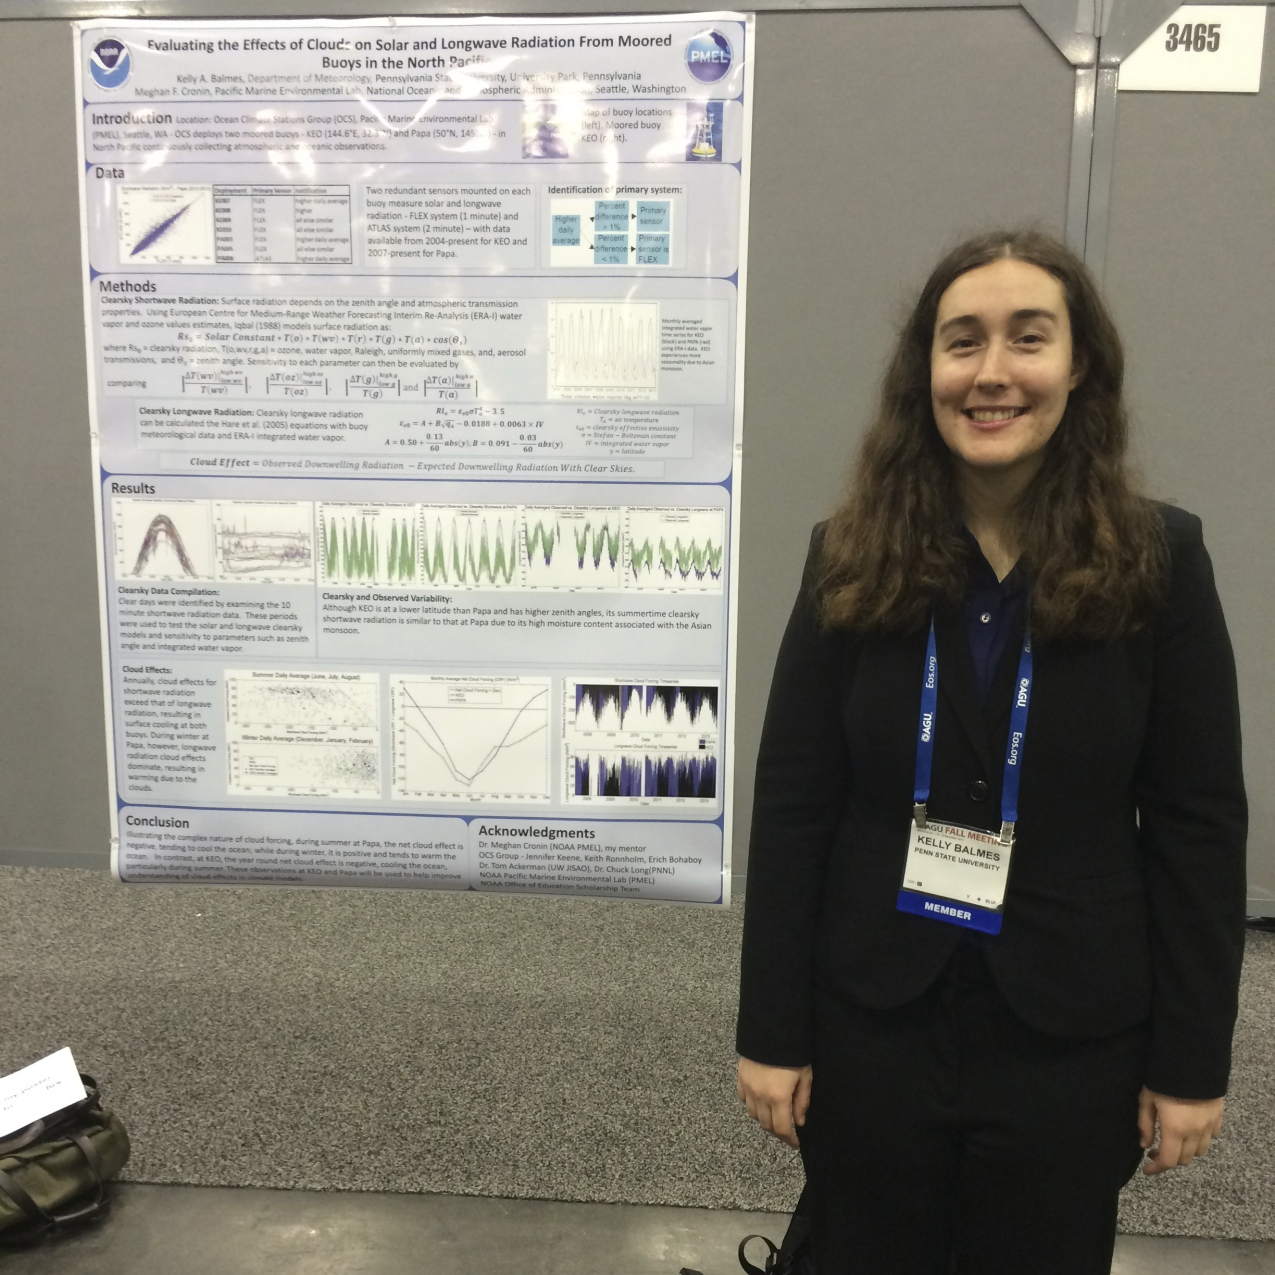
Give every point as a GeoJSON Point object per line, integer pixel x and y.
{"type": "Point", "coordinates": [465, 1044]}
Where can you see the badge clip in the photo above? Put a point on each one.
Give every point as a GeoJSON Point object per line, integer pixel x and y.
{"type": "Point", "coordinates": [1007, 832]}
{"type": "Point", "coordinates": [918, 813]}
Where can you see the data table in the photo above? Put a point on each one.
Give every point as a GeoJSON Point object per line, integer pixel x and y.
{"type": "Point", "coordinates": [282, 224]}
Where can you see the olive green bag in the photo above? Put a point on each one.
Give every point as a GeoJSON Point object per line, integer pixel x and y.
{"type": "Point", "coordinates": [53, 1173]}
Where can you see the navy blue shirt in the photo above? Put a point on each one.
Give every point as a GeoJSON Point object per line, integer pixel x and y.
{"type": "Point", "coordinates": [990, 611]}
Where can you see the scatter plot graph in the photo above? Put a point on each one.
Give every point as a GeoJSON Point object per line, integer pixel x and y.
{"type": "Point", "coordinates": [675, 550]}
{"type": "Point", "coordinates": [304, 770]}
{"type": "Point", "coordinates": [647, 743]}
{"type": "Point", "coordinates": [303, 734]}
{"type": "Point", "coordinates": [265, 542]}
{"type": "Point", "coordinates": [570, 548]}
{"type": "Point", "coordinates": [303, 702]}
{"type": "Point", "coordinates": [471, 548]}
{"type": "Point", "coordinates": [369, 544]}
{"type": "Point", "coordinates": [162, 539]}
{"type": "Point", "coordinates": [604, 350]}
{"type": "Point", "coordinates": [172, 225]}
{"type": "Point", "coordinates": [470, 738]}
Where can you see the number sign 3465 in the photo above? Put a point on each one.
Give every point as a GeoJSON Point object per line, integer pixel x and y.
{"type": "Point", "coordinates": [1198, 37]}
{"type": "Point", "coordinates": [1231, 38]}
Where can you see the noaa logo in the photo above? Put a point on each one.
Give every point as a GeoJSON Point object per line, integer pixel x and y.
{"type": "Point", "coordinates": [109, 63]}
{"type": "Point", "coordinates": [708, 56]}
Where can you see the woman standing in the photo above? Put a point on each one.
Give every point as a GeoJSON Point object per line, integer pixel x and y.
{"type": "Point", "coordinates": [995, 904]}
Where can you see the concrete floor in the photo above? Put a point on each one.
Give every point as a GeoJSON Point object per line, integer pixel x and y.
{"type": "Point", "coordinates": [161, 1230]}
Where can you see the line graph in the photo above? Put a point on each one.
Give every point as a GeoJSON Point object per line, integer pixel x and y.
{"type": "Point", "coordinates": [303, 734]}
{"type": "Point", "coordinates": [639, 777]}
{"type": "Point", "coordinates": [637, 708]}
{"type": "Point", "coordinates": [675, 550]}
{"type": "Point", "coordinates": [169, 224]}
{"type": "Point", "coordinates": [572, 548]}
{"type": "Point", "coordinates": [369, 544]}
{"type": "Point", "coordinates": [604, 349]}
{"type": "Point", "coordinates": [606, 706]}
{"type": "Point", "coordinates": [684, 775]}
{"type": "Point", "coordinates": [267, 542]}
{"type": "Point", "coordinates": [162, 539]}
{"type": "Point", "coordinates": [640, 742]}
{"type": "Point", "coordinates": [462, 738]}
{"type": "Point", "coordinates": [472, 547]}
{"type": "Point", "coordinates": [681, 708]}
{"type": "Point", "coordinates": [603, 775]}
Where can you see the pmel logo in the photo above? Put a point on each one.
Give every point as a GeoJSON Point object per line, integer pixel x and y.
{"type": "Point", "coordinates": [109, 63]}
{"type": "Point", "coordinates": [708, 56]}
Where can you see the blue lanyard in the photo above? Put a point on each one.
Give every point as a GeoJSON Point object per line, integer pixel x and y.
{"type": "Point", "coordinates": [1013, 751]}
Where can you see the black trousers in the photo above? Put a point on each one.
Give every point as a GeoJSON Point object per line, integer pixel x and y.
{"type": "Point", "coordinates": [947, 1137]}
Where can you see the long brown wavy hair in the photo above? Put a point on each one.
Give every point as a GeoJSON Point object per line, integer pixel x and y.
{"type": "Point", "coordinates": [1095, 547]}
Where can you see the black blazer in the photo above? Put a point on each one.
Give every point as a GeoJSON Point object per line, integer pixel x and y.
{"type": "Point", "coordinates": [1126, 890]}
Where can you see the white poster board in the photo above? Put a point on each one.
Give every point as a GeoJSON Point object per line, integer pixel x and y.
{"type": "Point", "coordinates": [415, 359]}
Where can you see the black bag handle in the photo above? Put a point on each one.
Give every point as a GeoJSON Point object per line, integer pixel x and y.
{"type": "Point", "coordinates": [18, 1194]}
{"type": "Point", "coordinates": [793, 1258]}
{"type": "Point", "coordinates": [770, 1259]}
{"type": "Point", "coordinates": [41, 1220]}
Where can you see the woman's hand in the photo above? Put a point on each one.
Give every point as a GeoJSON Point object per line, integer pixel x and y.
{"type": "Point", "coordinates": [1187, 1126]}
{"type": "Point", "coordinates": [776, 1097]}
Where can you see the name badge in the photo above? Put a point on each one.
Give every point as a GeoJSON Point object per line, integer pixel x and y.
{"type": "Point", "coordinates": [955, 874]}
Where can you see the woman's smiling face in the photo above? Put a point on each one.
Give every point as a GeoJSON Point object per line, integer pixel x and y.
{"type": "Point", "coordinates": [1001, 364]}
